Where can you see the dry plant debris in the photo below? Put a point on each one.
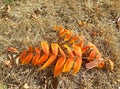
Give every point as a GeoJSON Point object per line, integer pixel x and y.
{"type": "Point", "coordinates": [30, 21]}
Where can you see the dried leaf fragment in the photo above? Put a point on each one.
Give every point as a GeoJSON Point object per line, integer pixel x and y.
{"type": "Point", "coordinates": [111, 63]}
{"type": "Point", "coordinates": [25, 86]}
{"type": "Point", "coordinates": [8, 63]}
{"type": "Point", "coordinates": [12, 49]}
{"type": "Point", "coordinates": [82, 23]}
{"type": "Point", "coordinates": [6, 8]}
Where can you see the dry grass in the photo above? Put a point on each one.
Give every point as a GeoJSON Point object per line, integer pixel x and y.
{"type": "Point", "coordinates": [31, 21]}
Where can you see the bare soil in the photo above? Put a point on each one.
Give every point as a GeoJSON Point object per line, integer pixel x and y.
{"type": "Point", "coordinates": [28, 22]}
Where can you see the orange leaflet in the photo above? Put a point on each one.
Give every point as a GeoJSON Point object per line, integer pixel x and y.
{"type": "Point", "coordinates": [58, 28]}
{"type": "Point", "coordinates": [91, 45]}
{"type": "Point", "coordinates": [77, 50]}
{"type": "Point", "coordinates": [60, 63]}
{"type": "Point", "coordinates": [74, 38]}
{"type": "Point", "coordinates": [22, 56]}
{"type": "Point", "coordinates": [54, 48]}
{"type": "Point", "coordinates": [78, 61]}
{"type": "Point", "coordinates": [62, 32]}
{"type": "Point", "coordinates": [59, 66]}
{"type": "Point", "coordinates": [37, 56]}
{"type": "Point", "coordinates": [69, 62]}
{"type": "Point", "coordinates": [45, 49]}
{"type": "Point", "coordinates": [101, 64]}
{"type": "Point", "coordinates": [57, 72]}
{"type": "Point", "coordinates": [77, 65]}
{"type": "Point", "coordinates": [28, 58]}
{"type": "Point", "coordinates": [48, 62]}
{"type": "Point", "coordinates": [68, 35]}
{"type": "Point", "coordinates": [35, 59]}
{"type": "Point", "coordinates": [37, 50]}
{"type": "Point", "coordinates": [92, 55]}
{"type": "Point", "coordinates": [30, 49]}
{"type": "Point", "coordinates": [80, 44]}
{"type": "Point", "coordinates": [84, 49]}
{"type": "Point", "coordinates": [98, 55]}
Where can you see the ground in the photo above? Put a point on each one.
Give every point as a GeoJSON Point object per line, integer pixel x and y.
{"type": "Point", "coordinates": [28, 22]}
